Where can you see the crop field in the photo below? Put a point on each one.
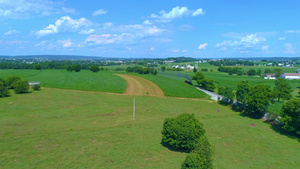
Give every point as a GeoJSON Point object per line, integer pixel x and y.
{"type": "Point", "coordinates": [83, 80]}
{"type": "Point", "coordinates": [56, 128]}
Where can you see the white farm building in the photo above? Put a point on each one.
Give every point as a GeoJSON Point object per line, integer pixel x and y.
{"type": "Point", "coordinates": [291, 76]}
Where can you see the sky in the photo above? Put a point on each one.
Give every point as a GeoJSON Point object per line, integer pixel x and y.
{"type": "Point", "coordinates": [151, 29]}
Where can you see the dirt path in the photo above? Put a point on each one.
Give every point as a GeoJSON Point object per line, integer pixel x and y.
{"type": "Point", "coordinates": [140, 86]}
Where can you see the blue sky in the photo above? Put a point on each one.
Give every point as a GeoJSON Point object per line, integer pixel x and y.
{"type": "Point", "coordinates": [156, 28]}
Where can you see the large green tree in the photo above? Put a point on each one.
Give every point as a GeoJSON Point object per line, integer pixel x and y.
{"type": "Point", "coordinates": [290, 114]}
{"type": "Point", "coordinates": [21, 87]}
{"type": "Point", "coordinates": [3, 89]}
{"type": "Point", "coordinates": [226, 93]}
{"type": "Point", "coordinates": [203, 82]}
{"type": "Point", "coordinates": [182, 132]}
{"type": "Point", "coordinates": [243, 88]}
{"type": "Point", "coordinates": [94, 68]}
{"type": "Point", "coordinates": [257, 100]}
{"type": "Point", "coordinates": [282, 89]}
{"type": "Point", "coordinates": [11, 81]}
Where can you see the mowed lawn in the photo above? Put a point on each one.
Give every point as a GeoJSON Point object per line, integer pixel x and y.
{"type": "Point", "coordinates": [55, 128]}
{"type": "Point", "coordinates": [104, 81]}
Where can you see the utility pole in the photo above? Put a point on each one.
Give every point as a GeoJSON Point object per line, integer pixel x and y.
{"type": "Point", "coordinates": [133, 107]}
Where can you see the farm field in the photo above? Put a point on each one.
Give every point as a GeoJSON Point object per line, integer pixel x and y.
{"type": "Point", "coordinates": [83, 80]}
{"type": "Point", "coordinates": [56, 128]}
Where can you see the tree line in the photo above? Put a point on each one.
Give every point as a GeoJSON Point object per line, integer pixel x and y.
{"type": "Point", "coordinates": [15, 83]}
{"type": "Point", "coordinates": [254, 100]}
{"type": "Point", "coordinates": [141, 70]}
{"type": "Point", "coordinates": [251, 72]}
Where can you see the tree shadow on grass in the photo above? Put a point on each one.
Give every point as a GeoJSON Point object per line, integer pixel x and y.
{"type": "Point", "coordinates": [171, 148]}
{"type": "Point", "coordinates": [281, 131]}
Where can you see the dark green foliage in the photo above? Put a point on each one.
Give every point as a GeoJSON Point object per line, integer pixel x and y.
{"type": "Point", "coordinates": [242, 90]}
{"type": "Point", "coordinates": [227, 93]}
{"type": "Point", "coordinates": [195, 70]}
{"type": "Point", "coordinates": [267, 71]}
{"type": "Point", "coordinates": [257, 100]}
{"type": "Point", "coordinates": [182, 132]}
{"type": "Point", "coordinates": [282, 89]}
{"type": "Point", "coordinates": [204, 83]}
{"type": "Point", "coordinates": [251, 72]}
{"type": "Point", "coordinates": [77, 67]}
{"type": "Point", "coordinates": [290, 114]}
{"type": "Point", "coordinates": [278, 72]}
{"type": "Point", "coordinates": [4, 92]}
{"type": "Point", "coordinates": [95, 68]}
{"type": "Point", "coordinates": [36, 87]}
{"type": "Point", "coordinates": [163, 68]}
{"type": "Point", "coordinates": [11, 81]}
{"type": "Point", "coordinates": [21, 87]}
{"type": "Point", "coordinates": [141, 70]}
{"type": "Point", "coordinates": [38, 67]}
{"type": "Point", "coordinates": [258, 72]}
{"type": "Point", "coordinates": [200, 157]}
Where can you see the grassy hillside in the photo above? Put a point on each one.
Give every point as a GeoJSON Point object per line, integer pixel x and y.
{"type": "Point", "coordinates": [83, 80]}
{"type": "Point", "coordinates": [56, 128]}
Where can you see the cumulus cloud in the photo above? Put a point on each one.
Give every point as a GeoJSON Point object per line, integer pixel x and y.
{"type": "Point", "coordinates": [282, 38]}
{"type": "Point", "coordinates": [147, 22]}
{"type": "Point", "coordinates": [251, 40]}
{"type": "Point", "coordinates": [175, 13]}
{"type": "Point", "coordinates": [65, 43]}
{"type": "Point", "coordinates": [108, 38]}
{"type": "Point", "coordinates": [202, 46]}
{"type": "Point", "coordinates": [152, 49]}
{"type": "Point", "coordinates": [67, 24]}
{"type": "Point", "coordinates": [265, 48]}
{"type": "Point", "coordinates": [11, 32]}
{"type": "Point", "coordinates": [289, 49]}
{"type": "Point", "coordinates": [292, 31]}
{"type": "Point", "coordinates": [25, 8]}
{"type": "Point", "coordinates": [100, 12]}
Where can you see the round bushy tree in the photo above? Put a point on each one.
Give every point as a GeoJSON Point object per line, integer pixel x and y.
{"type": "Point", "coordinates": [11, 81]}
{"type": "Point", "coordinates": [94, 68]}
{"type": "Point", "coordinates": [3, 89]}
{"type": "Point", "coordinates": [290, 114]}
{"type": "Point", "coordinates": [36, 87]}
{"type": "Point", "coordinates": [200, 157]}
{"type": "Point", "coordinates": [182, 132]}
{"type": "Point", "coordinates": [21, 86]}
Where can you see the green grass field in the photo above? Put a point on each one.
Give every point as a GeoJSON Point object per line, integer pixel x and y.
{"type": "Point", "coordinates": [104, 81]}
{"type": "Point", "coordinates": [55, 128]}
{"type": "Point", "coordinates": [174, 85]}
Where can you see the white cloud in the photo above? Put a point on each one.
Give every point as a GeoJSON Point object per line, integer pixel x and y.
{"type": "Point", "coordinates": [246, 41]}
{"type": "Point", "coordinates": [87, 31]}
{"type": "Point", "coordinates": [147, 22]}
{"type": "Point", "coordinates": [265, 48]}
{"type": "Point", "coordinates": [282, 38]}
{"type": "Point", "coordinates": [184, 51]}
{"type": "Point", "coordinates": [177, 12]}
{"type": "Point", "coordinates": [198, 12]}
{"type": "Point", "coordinates": [25, 8]}
{"type": "Point", "coordinates": [289, 49]}
{"type": "Point", "coordinates": [65, 43]}
{"type": "Point", "coordinates": [11, 32]}
{"type": "Point", "coordinates": [152, 49]}
{"type": "Point", "coordinates": [108, 38]}
{"type": "Point", "coordinates": [203, 46]}
{"type": "Point", "coordinates": [66, 24]}
{"type": "Point", "coordinates": [100, 12]}
{"type": "Point", "coordinates": [292, 31]}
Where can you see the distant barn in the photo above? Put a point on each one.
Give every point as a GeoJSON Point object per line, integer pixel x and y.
{"type": "Point", "coordinates": [291, 76]}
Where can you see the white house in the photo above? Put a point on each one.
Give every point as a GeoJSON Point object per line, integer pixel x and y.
{"type": "Point", "coordinates": [270, 76]}
{"type": "Point", "coordinates": [291, 76]}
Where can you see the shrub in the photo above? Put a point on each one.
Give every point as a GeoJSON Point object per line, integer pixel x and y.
{"type": "Point", "coordinates": [21, 87]}
{"type": "Point", "coordinates": [11, 81]}
{"type": "Point", "coordinates": [36, 87]}
{"type": "Point", "coordinates": [201, 157]}
{"type": "Point", "coordinates": [3, 89]}
{"type": "Point", "coordinates": [290, 114]}
{"type": "Point", "coordinates": [182, 132]}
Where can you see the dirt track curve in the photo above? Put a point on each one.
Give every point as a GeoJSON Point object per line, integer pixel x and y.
{"type": "Point", "coordinates": [140, 86]}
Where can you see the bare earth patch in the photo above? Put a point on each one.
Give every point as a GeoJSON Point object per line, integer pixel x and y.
{"type": "Point", "coordinates": [140, 86]}
{"type": "Point", "coordinates": [252, 125]}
